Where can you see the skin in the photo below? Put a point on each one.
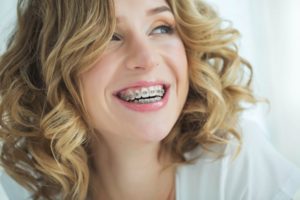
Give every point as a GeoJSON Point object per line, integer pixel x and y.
{"type": "Point", "coordinates": [125, 152]}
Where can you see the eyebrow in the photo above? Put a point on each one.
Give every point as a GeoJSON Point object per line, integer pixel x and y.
{"type": "Point", "coordinates": [152, 11]}
{"type": "Point", "coordinates": [157, 10]}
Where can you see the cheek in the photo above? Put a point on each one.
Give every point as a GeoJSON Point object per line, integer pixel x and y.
{"type": "Point", "coordinates": [178, 60]}
{"type": "Point", "coordinates": [98, 77]}
{"type": "Point", "coordinates": [94, 84]}
{"type": "Point", "coordinates": [176, 55]}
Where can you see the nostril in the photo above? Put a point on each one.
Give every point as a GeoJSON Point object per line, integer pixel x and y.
{"type": "Point", "coordinates": [139, 67]}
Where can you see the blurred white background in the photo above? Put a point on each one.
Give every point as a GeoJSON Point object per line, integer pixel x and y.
{"type": "Point", "coordinates": [271, 42]}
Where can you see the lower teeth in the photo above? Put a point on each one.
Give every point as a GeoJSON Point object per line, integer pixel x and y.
{"type": "Point", "coordinates": [150, 100]}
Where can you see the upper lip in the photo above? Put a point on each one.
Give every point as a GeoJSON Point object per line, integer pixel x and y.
{"type": "Point", "coordinates": [139, 84]}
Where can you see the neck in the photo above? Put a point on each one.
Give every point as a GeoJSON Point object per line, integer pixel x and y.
{"type": "Point", "coordinates": [129, 170]}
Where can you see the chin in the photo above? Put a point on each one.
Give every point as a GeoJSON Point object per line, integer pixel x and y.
{"type": "Point", "coordinates": [156, 134]}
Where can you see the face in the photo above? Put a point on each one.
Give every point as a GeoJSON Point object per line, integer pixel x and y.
{"type": "Point", "coordinates": [138, 87]}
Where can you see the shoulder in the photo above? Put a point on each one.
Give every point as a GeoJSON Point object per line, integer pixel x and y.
{"type": "Point", "coordinates": [258, 172]}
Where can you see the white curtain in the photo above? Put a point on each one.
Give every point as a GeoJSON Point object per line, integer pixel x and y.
{"type": "Point", "coordinates": [7, 16]}
{"type": "Point", "coordinates": [270, 40]}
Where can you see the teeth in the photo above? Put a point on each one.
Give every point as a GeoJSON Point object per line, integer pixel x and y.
{"type": "Point", "coordinates": [152, 91]}
{"type": "Point", "coordinates": [144, 101]}
{"type": "Point", "coordinates": [137, 94]}
{"type": "Point", "coordinates": [131, 95]}
{"type": "Point", "coordinates": [145, 92]}
{"type": "Point", "coordinates": [161, 92]}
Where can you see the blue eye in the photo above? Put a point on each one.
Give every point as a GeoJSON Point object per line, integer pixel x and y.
{"type": "Point", "coordinates": [163, 29]}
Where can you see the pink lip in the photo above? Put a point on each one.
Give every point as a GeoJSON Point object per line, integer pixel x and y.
{"type": "Point", "coordinates": [145, 107]}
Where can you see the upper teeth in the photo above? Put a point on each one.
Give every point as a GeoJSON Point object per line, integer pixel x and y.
{"type": "Point", "coordinates": [144, 92]}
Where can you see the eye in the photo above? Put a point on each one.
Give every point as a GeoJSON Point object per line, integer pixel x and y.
{"type": "Point", "coordinates": [163, 29]}
{"type": "Point", "coordinates": [116, 37]}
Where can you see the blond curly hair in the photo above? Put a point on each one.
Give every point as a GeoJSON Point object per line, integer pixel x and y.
{"type": "Point", "coordinates": [44, 125]}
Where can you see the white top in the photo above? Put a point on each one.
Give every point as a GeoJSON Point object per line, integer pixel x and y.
{"type": "Point", "coordinates": [258, 173]}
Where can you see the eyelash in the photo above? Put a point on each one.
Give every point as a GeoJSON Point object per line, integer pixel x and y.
{"type": "Point", "coordinates": [165, 29]}
{"type": "Point", "coordinates": [169, 29]}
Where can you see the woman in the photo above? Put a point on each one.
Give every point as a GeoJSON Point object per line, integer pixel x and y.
{"type": "Point", "coordinates": [131, 99]}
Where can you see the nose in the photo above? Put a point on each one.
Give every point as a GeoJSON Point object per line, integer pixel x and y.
{"type": "Point", "coordinates": [141, 55]}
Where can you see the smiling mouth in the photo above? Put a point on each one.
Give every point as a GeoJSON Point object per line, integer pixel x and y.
{"type": "Point", "coordinates": [143, 95]}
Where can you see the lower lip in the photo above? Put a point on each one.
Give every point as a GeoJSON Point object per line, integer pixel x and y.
{"type": "Point", "coordinates": [149, 107]}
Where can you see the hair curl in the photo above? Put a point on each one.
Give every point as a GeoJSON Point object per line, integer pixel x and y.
{"type": "Point", "coordinates": [44, 126]}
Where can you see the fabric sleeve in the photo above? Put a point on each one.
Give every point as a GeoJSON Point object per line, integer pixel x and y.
{"type": "Point", "coordinates": [11, 190]}
{"type": "Point", "coordinates": [3, 194]}
{"type": "Point", "coordinates": [259, 172]}
{"type": "Point", "coordinates": [269, 175]}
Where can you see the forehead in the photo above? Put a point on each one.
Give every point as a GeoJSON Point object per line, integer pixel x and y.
{"type": "Point", "coordinates": [137, 6]}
